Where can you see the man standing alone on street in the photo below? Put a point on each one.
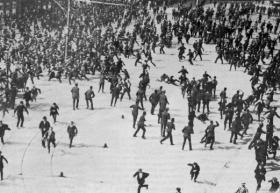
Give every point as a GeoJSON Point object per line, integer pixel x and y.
{"type": "Point", "coordinates": [187, 131]}
{"type": "Point", "coordinates": [75, 96]}
{"type": "Point", "coordinates": [89, 94]}
{"type": "Point", "coordinates": [72, 132]}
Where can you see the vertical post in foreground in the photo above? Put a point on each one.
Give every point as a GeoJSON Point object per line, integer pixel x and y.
{"type": "Point", "coordinates": [67, 31]}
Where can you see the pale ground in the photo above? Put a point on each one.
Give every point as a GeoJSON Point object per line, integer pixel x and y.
{"type": "Point", "coordinates": [90, 168]}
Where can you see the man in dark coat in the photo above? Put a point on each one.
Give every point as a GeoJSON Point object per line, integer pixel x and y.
{"type": "Point", "coordinates": [3, 128]}
{"type": "Point", "coordinates": [163, 100]}
{"type": "Point", "coordinates": [206, 100]}
{"type": "Point", "coordinates": [1, 164]}
{"type": "Point", "coordinates": [210, 134]}
{"type": "Point", "coordinates": [35, 91]}
{"type": "Point", "coordinates": [89, 94]}
{"type": "Point", "coordinates": [141, 177]}
{"type": "Point", "coordinates": [165, 116]}
{"type": "Point", "coordinates": [13, 94]}
{"type": "Point", "coordinates": [223, 94]}
{"type": "Point", "coordinates": [19, 110]}
{"type": "Point", "coordinates": [54, 111]}
{"type": "Point", "coordinates": [260, 151]}
{"type": "Point", "coordinates": [141, 125]}
{"type": "Point", "coordinates": [72, 132]}
{"type": "Point", "coordinates": [115, 94]}
{"type": "Point", "coordinates": [260, 172]}
{"type": "Point", "coordinates": [194, 171]}
{"type": "Point", "coordinates": [183, 71]}
{"type": "Point", "coordinates": [269, 133]}
{"type": "Point", "coordinates": [220, 55]}
{"type": "Point", "coordinates": [187, 131]}
{"type": "Point", "coordinates": [191, 55]}
{"type": "Point", "coordinates": [235, 128]}
{"type": "Point", "coordinates": [191, 117]}
{"type": "Point", "coordinates": [154, 101]}
{"type": "Point", "coordinates": [246, 118]}
{"type": "Point", "coordinates": [49, 137]}
{"type": "Point", "coordinates": [181, 49]}
{"type": "Point", "coordinates": [274, 147]}
{"type": "Point", "coordinates": [140, 97]}
{"type": "Point", "coordinates": [229, 112]}
{"type": "Point", "coordinates": [257, 135]}
{"type": "Point", "coordinates": [126, 85]}
{"type": "Point", "coordinates": [44, 125]}
{"type": "Point", "coordinates": [134, 112]}
{"type": "Point", "coordinates": [170, 127]}
{"type": "Point", "coordinates": [75, 96]}
{"type": "Point", "coordinates": [27, 96]}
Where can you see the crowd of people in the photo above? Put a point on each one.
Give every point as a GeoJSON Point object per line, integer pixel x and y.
{"type": "Point", "coordinates": [99, 36]}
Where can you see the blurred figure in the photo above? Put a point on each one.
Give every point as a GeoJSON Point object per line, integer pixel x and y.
{"type": "Point", "coordinates": [242, 189]}
{"type": "Point", "coordinates": [274, 184]}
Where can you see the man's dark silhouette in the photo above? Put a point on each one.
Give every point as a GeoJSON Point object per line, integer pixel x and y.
{"type": "Point", "coordinates": [1, 164]}
{"type": "Point", "coordinates": [141, 176]}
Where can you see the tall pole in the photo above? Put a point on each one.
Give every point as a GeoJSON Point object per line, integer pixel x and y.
{"type": "Point", "coordinates": [67, 31]}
